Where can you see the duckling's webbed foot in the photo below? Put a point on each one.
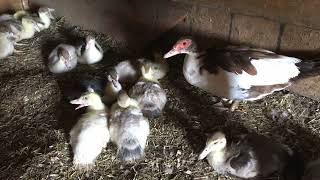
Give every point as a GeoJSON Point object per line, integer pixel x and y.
{"type": "Point", "coordinates": [232, 105]}
{"type": "Point", "coordinates": [17, 51]}
{"type": "Point", "coordinates": [20, 44]}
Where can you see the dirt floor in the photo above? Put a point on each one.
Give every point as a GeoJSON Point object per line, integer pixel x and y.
{"type": "Point", "coordinates": [35, 119]}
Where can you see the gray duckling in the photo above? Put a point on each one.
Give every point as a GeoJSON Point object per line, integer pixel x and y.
{"type": "Point", "coordinates": [149, 94]}
{"type": "Point", "coordinates": [113, 87]}
{"type": "Point", "coordinates": [251, 157]}
{"type": "Point", "coordinates": [129, 129]}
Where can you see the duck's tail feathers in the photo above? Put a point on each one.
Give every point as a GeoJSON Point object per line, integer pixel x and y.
{"type": "Point", "coordinates": [295, 167]}
{"type": "Point", "coordinates": [309, 68]}
{"type": "Point", "coordinates": [150, 110]}
{"type": "Point", "coordinates": [130, 149]}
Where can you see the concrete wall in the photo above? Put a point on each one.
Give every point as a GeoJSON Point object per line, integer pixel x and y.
{"type": "Point", "coordinates": [290, 27]}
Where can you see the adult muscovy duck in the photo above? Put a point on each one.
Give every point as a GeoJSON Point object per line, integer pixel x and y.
{"type": "Point", "coordinates": [237, 72]}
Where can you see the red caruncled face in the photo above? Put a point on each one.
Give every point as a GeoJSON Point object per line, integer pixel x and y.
{"type": "Point", "coordinates": [182, 44]}
{"type": "Point", "coordinates": [180, 47]}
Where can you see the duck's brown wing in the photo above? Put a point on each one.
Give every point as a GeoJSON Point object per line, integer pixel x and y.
{"type": "Point", "coordinates": [234, 59]}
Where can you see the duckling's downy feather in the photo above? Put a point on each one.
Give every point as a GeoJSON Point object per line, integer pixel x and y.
{"type": "Point", "coordinates": [129, 130]}
{"type": "Point", "coordinates": [6, 46]}
{"type": "Point", "coordinates": [88, 137]}
{"type": "Point", "coordinates": [150, 96]}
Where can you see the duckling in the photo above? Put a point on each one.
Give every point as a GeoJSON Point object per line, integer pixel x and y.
{"type": "Point", "coordinates": [29, 27]}
{"type": "Point", "coordinates": [129, 129]}
{"type": "Point", "coordinates": [45, 17]}
{"type": "Point", "coordinates": [312, 171]}
{"type": "Point", "coordinates": [90, 135]}
{"type": "Point", "coordinates": [20, 14]}
{"type": "Point", "coordinates": [148, 92]}
{"type": "Point", "coordinates": [62, 59]}
{"type": "Point", "coordinates": [113, 87]}
{"type": "Point", "coordinates": [6, 44]}
{"type": "Point", "coordinates": [128, 71]}
{"type": "Point", "coordinates": [90, 52]}
{"type": "Point", "coordinates": [9, 24]}
{"type": "Point", "coordinates": [159, 65]}
{"type": "Point", "coordinates": [252, 156]}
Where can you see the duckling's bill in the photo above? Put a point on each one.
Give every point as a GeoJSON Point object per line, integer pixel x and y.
{"type": "Point", "coordinates": [205, 152]}
{"type": "Point", "coordinates": [82, 103]}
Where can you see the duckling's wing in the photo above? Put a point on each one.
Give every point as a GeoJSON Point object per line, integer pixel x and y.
{"type": "Point", "coordinates": [240, 161]}
{"type": "Point", "coordinates": [235, 59]}
{"type": "Point", "coordinates": [243, 162]}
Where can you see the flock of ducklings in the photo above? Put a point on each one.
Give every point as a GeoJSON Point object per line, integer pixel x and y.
{"type": "Point", "coordinates": [123, 118]}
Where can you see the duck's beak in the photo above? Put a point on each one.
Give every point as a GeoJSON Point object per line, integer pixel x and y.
{"type": "Point", "coordinates": [171, 53]}
{"type": "Point", "coordinates": [204, 153]}
{"type": "Point", "coordinates": [51, 16]}
{"type": "Point", "coordinates": [80, 102]}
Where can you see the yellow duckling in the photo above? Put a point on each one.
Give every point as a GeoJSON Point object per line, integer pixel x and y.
{"type": "Point", "coordinates": [90, 135]}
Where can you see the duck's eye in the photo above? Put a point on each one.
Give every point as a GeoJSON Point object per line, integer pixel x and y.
{"type": "Point", "coordinates": [85, 98]}
{"type": "Point", "coordinates": [215, 143]}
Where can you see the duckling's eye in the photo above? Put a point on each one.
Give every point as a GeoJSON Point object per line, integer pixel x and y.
{"type": "Point", "coordinates": [215, 143]}
{"type": "Point", "coordinates": [184, 43]}
{"type": "Point", "coordinates": [85, 98]}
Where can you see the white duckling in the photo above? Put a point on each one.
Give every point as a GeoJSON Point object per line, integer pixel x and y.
{"type": "Point", "coordinates": [90, 135]}
{"type": "Point", "coordinates": [129, 129]}
{"type": "Point", "coordinates": [238, 73]}
{"type": "Point", "coordinates": [45, 17]}
{"type": "Point", "coordinates": [113, 87]}
{"type": "Point", "coordinates": [252, 156]}
{"type": "Point", "coordinates": [149, 94]}
{"type": "Point", "coordinates": [7, 41]}
{"type": "Point", "coordinates": [62, 59]}
{"type": "Point", "coordinates": [90, 51]}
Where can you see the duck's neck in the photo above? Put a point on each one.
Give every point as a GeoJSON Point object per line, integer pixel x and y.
{"type": "Point", "coordinates": [97, 107]}
{"type": "Point", "coordinates": [111, 90]}
{"type": "Point", "coordinates": [218, 157]}
{"type": "Point", "coordinates": [191, 67]}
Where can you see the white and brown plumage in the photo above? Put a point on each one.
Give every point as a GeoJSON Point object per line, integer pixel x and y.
{"type": "Point", "coordinates": [62, 59]}
{"type": "Point", "coordinates": [250, 156]}
{"type": "Point", "coordinates": [237, 73]}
